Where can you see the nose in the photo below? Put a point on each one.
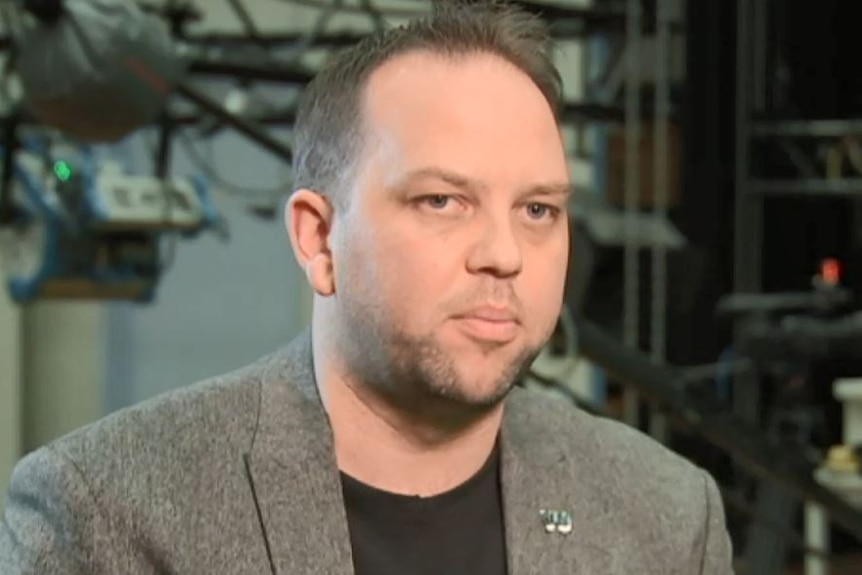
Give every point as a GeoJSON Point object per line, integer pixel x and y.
{"type": "Point", "coordinates": [497, 251]}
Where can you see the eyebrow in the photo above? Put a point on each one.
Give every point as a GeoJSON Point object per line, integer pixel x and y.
{"type": "Point", "coordinates": [465, 183]}
{"type": "Point", "coordinates": [564, 189]}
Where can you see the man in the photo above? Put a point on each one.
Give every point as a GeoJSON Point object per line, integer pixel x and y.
{"type": "Point", "coordinates": [430, 219]}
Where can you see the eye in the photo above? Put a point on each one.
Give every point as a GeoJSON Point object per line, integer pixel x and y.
{"type": "Point", "coordinates": [538, 211]}
{"type": "Point", "coordinates": [437, 201]}
{"type": "Point", "coordinates": [441, 204]}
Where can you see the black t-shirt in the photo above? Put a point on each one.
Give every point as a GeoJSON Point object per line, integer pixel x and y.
{"type": "Point", "coordinates": [459, 532]}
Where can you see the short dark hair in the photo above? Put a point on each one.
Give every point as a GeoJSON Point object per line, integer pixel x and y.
{"type": "Point", "coordinates": [328, 127]}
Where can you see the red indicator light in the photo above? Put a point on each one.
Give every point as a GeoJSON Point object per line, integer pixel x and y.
{"type": "Point", "coordinates": [830, 271]}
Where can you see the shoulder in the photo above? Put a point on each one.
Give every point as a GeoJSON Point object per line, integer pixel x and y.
{"type": "Point", "coordinates": [201, 431]}
{"type": "Point", "coordinates": [646, 487]}
{"type": "Point", "coordinates": [602, 441]}
{"type": "Point", "coordinates": [160, 475]}
{"type": "Point", "coordinates": [177, 433]}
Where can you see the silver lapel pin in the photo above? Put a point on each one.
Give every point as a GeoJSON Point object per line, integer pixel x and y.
{"type": "Point", "coordinates": [556, 521]}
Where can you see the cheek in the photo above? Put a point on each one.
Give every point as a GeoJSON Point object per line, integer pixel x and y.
{"type": "Point", "coordinates": [358, 270]}
{"type": "Point", "coordinates": [414, 274]}
{"type": "Point", "coordinates": [408, 274]}
{"type": "Point", "coordinates": [543, 282]}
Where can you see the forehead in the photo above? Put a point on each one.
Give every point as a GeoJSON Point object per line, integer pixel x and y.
{"type": "Point", "coordinates": [476, 113]}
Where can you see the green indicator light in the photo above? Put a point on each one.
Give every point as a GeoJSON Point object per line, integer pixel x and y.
{"type": "Point", "coordinates": [63, 171]}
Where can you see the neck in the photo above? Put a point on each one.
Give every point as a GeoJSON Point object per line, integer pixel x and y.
{"type": "Point", "coordinates": [394, 451]}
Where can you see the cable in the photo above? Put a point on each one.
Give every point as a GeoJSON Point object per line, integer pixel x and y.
{"type": "Point", "coordinates": [207, 167]}
{"type": "Point", "coordinates": [247, 21]}
{"type": "Point", "coordinates": [167, 255]}
{"type": "Point", "coordinates": [313, 32]}
{"type": "Point", "coordinates": [167, 247]}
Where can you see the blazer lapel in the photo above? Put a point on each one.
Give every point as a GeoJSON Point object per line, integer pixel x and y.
{"type": "Point", "coordinates": [296, 486]}
{"type": "Point", "coordinates": [293, 473]}
{"type": "Point", "coordinates": [542, 472]}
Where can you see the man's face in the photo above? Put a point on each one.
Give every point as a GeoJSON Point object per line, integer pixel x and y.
{"type": "Point", "coordinates": [450, 259]}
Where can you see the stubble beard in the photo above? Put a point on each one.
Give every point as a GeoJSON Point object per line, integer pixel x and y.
{"type": "Point", "coordinates": [415, 375]}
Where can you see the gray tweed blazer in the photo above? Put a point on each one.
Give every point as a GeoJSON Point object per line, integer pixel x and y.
{"type": "Point", "coordinates": [236, 475]}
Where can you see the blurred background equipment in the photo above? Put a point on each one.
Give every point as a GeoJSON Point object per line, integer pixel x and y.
{"type": "Point", "coordinates": [712, 295]}
{"type": "Point", "coordinates": [95, 69]}
{"type": "Point", "coordinates": [82, 229]}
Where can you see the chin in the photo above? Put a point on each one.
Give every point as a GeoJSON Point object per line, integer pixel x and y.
{"type": "Point", "coordinates": [488, 397]}
{"type": "Point", "coordinates": [475, 400]}
{"type": "Point", "coordinates": [482, 389]}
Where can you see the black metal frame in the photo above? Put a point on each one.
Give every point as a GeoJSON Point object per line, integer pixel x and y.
{"type": "Point", "coordinates": [762, 456]}
{"type": "Point", "coordinates": [660, 385]}
{"type": "Point", "coordinates": [758, 131]}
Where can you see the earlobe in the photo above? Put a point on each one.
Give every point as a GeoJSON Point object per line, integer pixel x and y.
{"type": "Point", "coordinates": [308, 220]}
{"type": "Point", "coordinates": [320, 275]}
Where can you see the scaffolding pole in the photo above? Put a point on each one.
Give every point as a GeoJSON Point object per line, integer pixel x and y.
{"type": "Point", "coordinates": [631, 283]}
{"type": "Point", "coordinates": [661, 127]}
{"type": "Point", "coordinates": [748, 217]}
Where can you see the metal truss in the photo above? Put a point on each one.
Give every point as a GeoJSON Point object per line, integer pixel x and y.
{"type": "Point", "coordinates": [625, 23]}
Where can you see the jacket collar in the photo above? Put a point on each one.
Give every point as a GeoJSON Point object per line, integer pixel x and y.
{"type": "Point", "coordinates": [297, 486]}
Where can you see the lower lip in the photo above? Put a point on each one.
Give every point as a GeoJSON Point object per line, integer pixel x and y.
{"type": "Point", "coordinates": [489, 330]}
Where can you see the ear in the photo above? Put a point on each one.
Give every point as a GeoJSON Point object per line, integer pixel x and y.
{"type": "Point", "coordinates": [308, 219]}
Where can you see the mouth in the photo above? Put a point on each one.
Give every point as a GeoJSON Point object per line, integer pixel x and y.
{"type": "Point", "coordinates": [490, 325]}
